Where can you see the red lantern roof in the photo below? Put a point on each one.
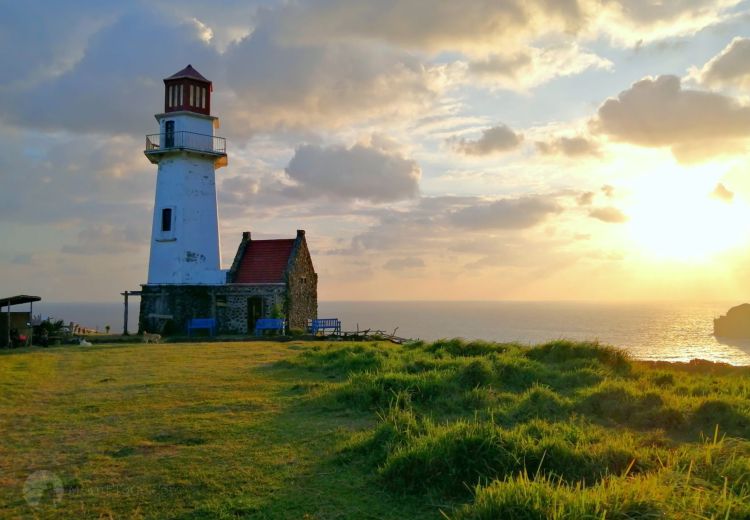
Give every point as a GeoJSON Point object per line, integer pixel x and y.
{"type": "Point", "coordinates": [188, 72]}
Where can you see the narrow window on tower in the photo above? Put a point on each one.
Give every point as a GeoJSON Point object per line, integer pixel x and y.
{"type": "Point", "coordinates": [191, 96]}
{"type": "Point", "coordinates": [181, 90]}
{"type": "Point", "coordinates": [203, 101]}
{"type": "Point", "coordinates": [169, 97]}
{"type": "Point", "coordinates": [166, 220]}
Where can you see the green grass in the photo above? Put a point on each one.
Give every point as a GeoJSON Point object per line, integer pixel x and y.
{"type": "Point", "coordinates": [426, 430]}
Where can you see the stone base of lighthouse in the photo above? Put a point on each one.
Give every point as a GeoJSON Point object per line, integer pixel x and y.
{"type": "Point", "coordinates": [166, 309]}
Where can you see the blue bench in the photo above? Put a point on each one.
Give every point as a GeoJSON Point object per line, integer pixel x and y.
{"type": "Point", "coordinates": [325, 324]}
{"type": "Point", "coordinates": [276, 324]}
{"type": "Point", "coordinates": [202, 323]}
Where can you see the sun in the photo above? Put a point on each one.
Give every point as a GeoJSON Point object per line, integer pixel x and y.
{"type": "Point", "coordinates": [674, 217]}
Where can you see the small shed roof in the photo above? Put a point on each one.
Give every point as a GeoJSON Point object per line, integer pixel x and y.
{"type": "Point", "coordinates": [18, 300]}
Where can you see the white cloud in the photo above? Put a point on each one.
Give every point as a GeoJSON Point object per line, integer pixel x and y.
{"type": "Point", "coordinates": [114, 87]}
{"type": "Point", "coordinates": [403, 264]}
{"type": "Point", "coordinates": [532, 66]}
{"type": "Point", "coordinates": [658, 112]}
{"type": "Point", "coordinates": [731, 67]}
{"type": "Point", "coordinates": [609, 214]}
{"type": "Point", "coordinates": [361, 172]}
{"type": "Point", "coordinates": [510, 213]}
{"type": "Point", "coordinates": [722, 193]}
{"type": "Point", "coordinates": [479, 26]}
{"type": "Point", "coordinates": [497, 139]}
{"type": "Point", "coordinates": [577, 146]}
{"type": "Point", "coordinates": [276, 83]}
{"type": "Point", "coordinates": [105, 238]}
{"type": "Point", "coordinates": [66, 178]}
{"type": "Point", "coordinates": [632, 22]}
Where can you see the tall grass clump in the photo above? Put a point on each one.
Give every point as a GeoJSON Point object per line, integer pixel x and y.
{"type": "Point", "coordinates": [630, 406]}
{"type": "Point", "coordinates": [538, 402]}
{"type": "Point", "coordinates": [374, 390]}
{"type": "Point", "coordinates": [729, 415]}
{"type": "Point", "coordinates": [542, 498]}
{"type": "Point", "coordinates": [460, 347]}
{"type": "Point", "coordinates": [397, 425]}
{"type": "Point", "coordinates": [449, 459]}
{"type": "Point", "coordinates": [341, 361]}
{"type": "Point", "coordinates": [564, 351]}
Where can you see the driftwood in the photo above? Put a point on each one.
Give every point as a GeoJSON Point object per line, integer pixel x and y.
{"type": "Point", "coordinates": [370, 335]}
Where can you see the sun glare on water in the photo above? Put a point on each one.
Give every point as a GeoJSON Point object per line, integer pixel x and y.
{"type": "Point", "coordinates": [673, 216]}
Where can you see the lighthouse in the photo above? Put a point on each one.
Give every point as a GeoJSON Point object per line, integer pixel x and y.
{"type": "Point", "coordinates": [187, 291]}
{"type": "Point", "coordinates": [185, 246]}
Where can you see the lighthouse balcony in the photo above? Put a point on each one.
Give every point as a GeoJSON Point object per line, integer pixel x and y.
{"type": "Point", "coordinates": [208, 145]}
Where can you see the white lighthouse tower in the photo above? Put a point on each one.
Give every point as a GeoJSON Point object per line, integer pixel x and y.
{"type": "Point", "coordinates": [185, 234]}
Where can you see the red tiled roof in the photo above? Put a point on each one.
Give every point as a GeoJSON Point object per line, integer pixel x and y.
{"type": "Point", "coordinates": [264, 261]}
{"type": "Point", "coordinates": [188, 72]}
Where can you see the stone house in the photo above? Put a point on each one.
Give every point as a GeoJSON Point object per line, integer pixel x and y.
{"type": "Point", "coordinates": [267, 277]}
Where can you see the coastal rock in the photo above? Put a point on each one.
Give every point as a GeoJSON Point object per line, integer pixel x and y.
{"type": "Point", "coordinates": [735, 324]}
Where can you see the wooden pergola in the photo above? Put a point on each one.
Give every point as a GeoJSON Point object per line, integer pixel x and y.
{"type": "Point", "coordinates": [19, 299]}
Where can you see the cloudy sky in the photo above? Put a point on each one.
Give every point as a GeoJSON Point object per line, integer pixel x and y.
{"type": "Point", "coordinates": [475, 150]}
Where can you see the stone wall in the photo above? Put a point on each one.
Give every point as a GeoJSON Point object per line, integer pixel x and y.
{"type": "Point", "coordinates": [168, 308]}
{"type": "Point", "coordinates": [232, 314]}
{"type": "Point", "coordinates": [302, 281]}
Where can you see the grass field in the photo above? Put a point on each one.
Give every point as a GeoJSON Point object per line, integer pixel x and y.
{"type": "Point", "coordinates": [322, 431]}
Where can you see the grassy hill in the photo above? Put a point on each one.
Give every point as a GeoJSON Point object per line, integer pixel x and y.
{"type": "Point", "coordinates": [316, 430]}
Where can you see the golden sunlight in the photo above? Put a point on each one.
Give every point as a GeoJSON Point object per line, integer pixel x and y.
{"type": "Point", "coordinates": [674, 217]}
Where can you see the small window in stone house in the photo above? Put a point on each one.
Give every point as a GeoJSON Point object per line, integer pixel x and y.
{"type": "Point", "coordinates": [221, 300]}
{"type": "Point", "coordinates": [166, 219]}
{"type": "Point", "coordinates": [302, 280]}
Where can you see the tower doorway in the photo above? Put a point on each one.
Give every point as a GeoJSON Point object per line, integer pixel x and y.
{"type": "Point", "coordinates": [254, 311]}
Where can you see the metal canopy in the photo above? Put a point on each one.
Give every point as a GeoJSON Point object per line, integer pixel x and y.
{"type": "Point", "coordinates": [18, 300]}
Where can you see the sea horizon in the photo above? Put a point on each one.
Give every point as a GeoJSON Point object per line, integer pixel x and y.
{"type": "Point", "coordinates": [654, 330]}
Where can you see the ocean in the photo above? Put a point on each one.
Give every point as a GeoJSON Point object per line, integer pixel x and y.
{"type": "Point", "coordinates": [664, 331]}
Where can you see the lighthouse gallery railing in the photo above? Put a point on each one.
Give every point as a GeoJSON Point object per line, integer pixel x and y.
{"type": "Point", "coordinates": [186, 141]}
